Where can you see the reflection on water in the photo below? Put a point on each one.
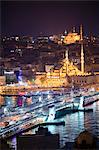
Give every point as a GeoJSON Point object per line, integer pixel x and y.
{"type": "Point", "coordinates": [74, 123]}
{"type": "Point", "coordinates": [13, 101]}
{"type": "Point", "coordinates": [1, 101]}
{"type": "Point", "coordinates": [8, 101]}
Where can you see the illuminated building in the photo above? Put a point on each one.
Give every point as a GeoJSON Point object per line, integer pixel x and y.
{"type": "Point", "coordinates": [57, 38]}
{"type": "Point", "coordinates": [2, 80]}
{"type": "Point", "coordinates": [2, 101]}
{"type": "Point", "coordinates": [71, 37]}
{"type": "Point", "coordinates": [19, 77]}
{"type": "Point", "coordinates": [48, 67]}
{"type": "Point", "coordinates": [10, 77]}
{"type": "Point", "coordinates": [42, 39]}
{"type": "Point", "coordinates": [58, 77]}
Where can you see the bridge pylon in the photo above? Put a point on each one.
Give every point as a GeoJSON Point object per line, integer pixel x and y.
{"type": "Point", "coordinates": [81, 107]}
{"type": "Point", "coordinates": [51, 115]}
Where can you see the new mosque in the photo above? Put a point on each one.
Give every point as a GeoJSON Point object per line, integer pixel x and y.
{"type": "Point", "coordinates": [68, 71]}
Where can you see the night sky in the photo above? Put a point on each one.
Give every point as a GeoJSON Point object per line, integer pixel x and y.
{"type": "Point", "coordinates": [31, 18]}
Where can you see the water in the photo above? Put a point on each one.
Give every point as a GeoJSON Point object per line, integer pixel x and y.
{"type": "Point", "coordinates": [74, 124]}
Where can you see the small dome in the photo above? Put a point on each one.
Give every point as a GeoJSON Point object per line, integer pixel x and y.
{"type": "Point", "coordinates": [85, 140]}
{"type": "Point", "coordinates": [85, 137]}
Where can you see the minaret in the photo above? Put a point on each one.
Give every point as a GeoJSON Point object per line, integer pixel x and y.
{"type": "Point", "coordinates": [82, 51]}
{"type": "Point", "coordinates": [65, 32]}
{"type": "Point", "coordinates": [66, 56]}
{"type": "Point", "coordinates": [74, 29]}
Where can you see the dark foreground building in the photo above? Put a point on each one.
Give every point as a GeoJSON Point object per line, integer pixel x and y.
{"type": "Point", "coordinates": [85, 141]}
{"type": "Point", "coordinates": [4, 145]}
{"type": "Point", "coordinates": [42, 140]}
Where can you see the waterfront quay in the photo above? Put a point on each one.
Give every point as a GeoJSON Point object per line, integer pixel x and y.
{"type": "Point", "coordinates": [15, 89]}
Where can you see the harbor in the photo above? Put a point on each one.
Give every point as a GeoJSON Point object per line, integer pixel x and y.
{"type": "Point", "coordinates": [47, 107]}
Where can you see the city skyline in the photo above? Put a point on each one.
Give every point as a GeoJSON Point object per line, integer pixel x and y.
{"type": "Point", "coordinates": [32, 18]}
{"type": "Point", "coordinates": [49, 75]}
